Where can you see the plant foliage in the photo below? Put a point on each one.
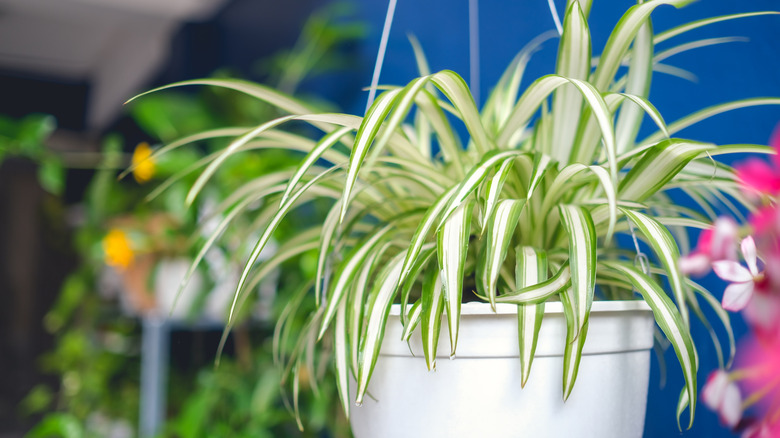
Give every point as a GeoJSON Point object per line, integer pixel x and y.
{"type": "Point", "coordinates": [544, 181]}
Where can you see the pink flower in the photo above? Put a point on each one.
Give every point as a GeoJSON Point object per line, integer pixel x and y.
{"type": "Point", "coordinates": [763, 314]}
{"type": "Point", "coordinates": [716, 243]}
{"type": "Point", "coordinates": [743, 280]}
{"type": "Point", "coordinates": [721, 395]}
{"type": "Point", "coordinates": [762, 430]}
{"type": "Point", "coordinates": [765, 220]}
{"type": "Point", "coordinates": [759, 176]}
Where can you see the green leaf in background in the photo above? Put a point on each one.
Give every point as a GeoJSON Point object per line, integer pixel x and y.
{"type": "Point", "coordinates": [51, 176]}
{"type": "Point", "coordinates": [61, 425]}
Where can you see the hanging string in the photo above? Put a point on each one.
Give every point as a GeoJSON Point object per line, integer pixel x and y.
{"type": "Point", "coordinates": [556, 19]}
{"type": "Point", "coordinates": [641, 258]}
{"type": "Point", "coordinates": [474, 49]}
{"type": "Point", "coordinates": [380, 57]}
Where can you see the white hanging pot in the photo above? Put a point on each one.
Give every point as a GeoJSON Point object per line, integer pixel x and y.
{"type": "Point", "coordinates": [478, 393]}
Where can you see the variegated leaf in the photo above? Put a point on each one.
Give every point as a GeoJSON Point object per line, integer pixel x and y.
{"type": "Point", "coordinates": [501, 227]}
{"type": "Point", "coordinates": [576, 332]}
{"type": "Point", "coordinates": [452, 242]}
{"type": "Point", "coordinates": [365, 136]}
{"type": "Point", "coordinates": [530, 270]}
{"type": "Point", "coordinates": [347, 272]}
{"type": "Point", "coordinates": [421, 233]}
{"type": "Point", "coordinates": [664, 246]}
{"type": "Point", "coordinates": [412, 321]}
{"type": "Point", "coordinates": [493, 190]}
{"type": "Point", "coordinates": [342, 357]}
{"type": "Point", "coordinates": [456, 90]}
{"type": "Point", "coordinates": [475, 176]}
{"type": "Point", "coordinates": [657, 167]}
{"type": "Point", "coordinates": [326, 143]}
{"type": "Point", "coordinates": [669, 319]}
{"type": "Point", "coordinates": [432, 308]}
{"type": "Point", "coordinates": [582, 259]}
{"type": "Point", "coordinates": [574, 63]}
{"type": "Point", "coordinates": [371, 342]}
{"type": "Point", "coordinates": [538, 293]}
{"type": "Point", "coordinates": [621, 37]}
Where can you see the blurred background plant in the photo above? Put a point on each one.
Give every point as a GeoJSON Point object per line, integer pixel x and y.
{"type": "Point", "coordinates": [136, 239]}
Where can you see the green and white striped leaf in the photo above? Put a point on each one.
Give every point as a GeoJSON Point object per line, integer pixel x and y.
{"type": "Point", "coordinates": [502, 98]}
{"type": "Point", "coordinates": [412, 321]}
{"type": "Point", "coordinates": [427, 251]}
{"type": "Point", "coordinates": [347, 272]}
{"type": "Point", "coordinates": [326, 143]}
{"type": "Point", "coordinates": [365, 135]}
{"type": "Point", "coordinates": [541, 164]}
{"type": "Point", "coordinates": [539, 292]}
{"type": "Point", "coordinates": [657, 167]}
{"type": "Point", "coordinates": [493, 189]}
{"type": "Point", "coordinates": [708, 112]}
{"type": "Point", "coordinates": [268, 232]}
{"type": "Point", "coordinates": [452, 243]}
{"type": "Point", "coordinates": [574, 52]}
{"type": "Point", "coordinates": [328, 230]}
{"type": "Point", "coordinates": [640, 73]}
{"type": "Point", "coordinates": [610, 191]}
{"type": "Point", "coordinates": [357, 299]}
{"type": "Point", "coordinates": [621, 38]}
{"type": "Point", "coordinates": [501, 227]}
{"type": "Point", "coordinates": [671, 33]}
{"type": "Point", "coordinates": [665, 248]}
{"type": "Point", "coordinates": [448, 141]}
{"type": "Point", "coordinates": [671, 322]}
{"type": "Point", "coordinates": [642, 106]}
{"type": "Point", "coordinates": [432, 308]}
{"type": "Point", "coordinates": [371, 342]}
{"type": "Point", "coordinates": [530, 270]}
{"type": "Point", "coordinates": [342, 357]}
{"type": "Point", "coordinates": [537, 92]}
{"type": "Point", "coordinates": [421, 233]}
{"type": "Point", "coordinates": [475, 176]}
{"type": "Point", "coordinates": [582, 259]}
{"type": "Point", "coordinates": [576, 332]}
{"type": "Point", "coordinates": [456, 90]}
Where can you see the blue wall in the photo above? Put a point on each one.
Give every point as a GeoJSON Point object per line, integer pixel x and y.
{"type": "Point", "coordinates": [725, 72]}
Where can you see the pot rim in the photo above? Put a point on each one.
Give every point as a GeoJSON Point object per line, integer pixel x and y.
{"type": "Point", "coordinates": [551, 307]}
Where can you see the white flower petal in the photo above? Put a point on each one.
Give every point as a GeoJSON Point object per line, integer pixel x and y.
{"type": "Point", "coordinates": [749, 252]}
{"type": "Point", "coordinates": [732, 271]}
{"type": "Point", "coordinates": [737, 295]}
{"type": "Point", "coordinates": [731, 406]}
{"type": "Point", "coordinates": [714, 389]}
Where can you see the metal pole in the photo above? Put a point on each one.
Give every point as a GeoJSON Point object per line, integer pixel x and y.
{"type": "Point", "coordinates": [154, 375]}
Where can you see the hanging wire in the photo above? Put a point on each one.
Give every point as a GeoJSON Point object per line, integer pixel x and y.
{"type": "Point", "coordinates": [556, 19]}
{"type": "Point", "coordinates": [641, 258]}
{"type": "Point", "coordinates": [380, 57]}
{"type": "Point", "coordinates": [474, 49]}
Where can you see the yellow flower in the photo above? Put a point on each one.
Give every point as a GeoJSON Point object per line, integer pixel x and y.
{"type": "Point", "coordinates": [143, 164]}
{"type": "Point", "coordinates": [116, 247]}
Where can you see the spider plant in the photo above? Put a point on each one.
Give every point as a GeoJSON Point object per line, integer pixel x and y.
{"type": "Point", "coordinates": [528, 209]}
